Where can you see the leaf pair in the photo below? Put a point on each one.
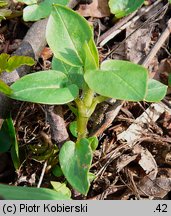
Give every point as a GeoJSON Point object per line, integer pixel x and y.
{"type": "Point", "coordinates": [9, 64]}
{"type": "Point", "coordinates": [37, 10]}
{"type": "Point", "coordinates": [125, 81]}
{"type": "Point", "coordinates": [70, 38]}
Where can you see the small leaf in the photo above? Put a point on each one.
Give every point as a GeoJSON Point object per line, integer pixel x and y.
{"type": "Point", "coordinates": [156, 91]}
{"type": "Point", "coordinates": [4, 88]}
{"type": "Point", "coordinates": [73, 128]}
{"type": "Point", "coordinates": [119, 79]}
{"type": "Point", "coordinates": [5, 13]}
{"type": "Point", "coordinates": [169, 81]}
{"type": "Point", "coordinates": [61, 188]}
{"type": "Point", "coordinates": [47, 87]}
{"type": "Point", "coordinates": [14, 144]}
{"type": "Point", "coordinates": [41, 10]}
{"type": "Point", "coordinates": [57, 171]}
{"type": "Point", "coordinates": [123, 8]}
{"type": "Point", "coordinates": [3, 3]}
{"type": "Point", "coordinates": [3, 61]}
{"type": "Point", "coordinates": [66, 32]}
{"type": "Point", "coordinates": [8, 141]}
{"type": "Point", "coordinates": [91, 176]}
{"type": "Point", "coordinates": [93, 142]}
{"type": "Point", "coordinates": [9, 64]}
{"type": "Point", "coordinates": [28, 2]}
{"type": "Point", "coordinates": [91, 55]}
{"type": "Point", "coordinates": [5, 140]}
{"type": "Point", "coordinates": [17, 61]}
{"type": "Point", "coordinates": [30, 193]}
{"type": "Point", "coordinates": [75, 161]}
{"type": "Point", "coordinates": [74, 74]}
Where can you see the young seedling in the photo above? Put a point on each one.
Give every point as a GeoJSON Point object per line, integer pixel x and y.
{"type": "Point", "coordinates": [9, 64]}
{"type": "Point", "coordinates": [77, 77]}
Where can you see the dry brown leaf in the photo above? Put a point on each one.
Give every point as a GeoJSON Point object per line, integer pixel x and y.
{"type": "Point", "coordinates": [98, 9]}
{"type": "Point", "coordinates": [146, 161]}
{"type": "Point", "coordinates": [157, 188]}
{"type": "Point", "coordinates": [164, 71]}
{"type": "Point", "coordinates": [46, 53]}
{"type": "Point", "coordinates": [124, 160]}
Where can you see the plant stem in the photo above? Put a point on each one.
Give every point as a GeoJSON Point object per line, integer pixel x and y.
{"type": "Point", "coordinates": [85, 107]}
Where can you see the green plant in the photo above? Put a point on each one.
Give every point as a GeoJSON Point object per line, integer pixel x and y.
{"type": "Point", "coordinates": [8, 141]}
{"type": "Point", "coordinates": [76, 76]}
{"type": "Point", "coordinates": [123, 8]}
{"type": "Point", "coordinates": [9, 64]}
{"type": "Point", "coordinates": [37, 9]}
{"type": "Point", "coordinates": [4, 11]}
{"type": "Point", "coordinates": [29, 193]}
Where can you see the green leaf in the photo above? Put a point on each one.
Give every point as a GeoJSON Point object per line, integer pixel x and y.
{"type": "Point", "coordinates": [41, 10]}
{"type": "Point", "coordinates": [93, 142]}
{"type": "Point", "coordinates": [4, 61]}
{"type": "Point", "coordinates": [8, 141]}
{"type": "Point", "coordinates": [17, 61]}
{"type": "Point", "coordinates": [5, 140]}
{"type": "Point", "coordinates": [91, 55]}
{"type": "Point", "coordinates": [4, 88]}
{"type": "Point", "coordinates": [156, 91]}
{"type": "Point", "coordinates": [47, 87]}
{"type": "Point", "coordinates": [28, 2]}
{"type": "Point", "coordinates": [57, 171]}
{"type": "Point", "coordinates": [14, 144]}
{"type": "Point", "coordinates": [75, 161]}
{"type": "Point", "coordinates": [62, 188]}
{"type": "Point", "coordinates": [4, 13]}
{"type": "Point", "coordinates": [66, 32]}
{"type": "Point", "coordinates": [123, 8]}
{"type": "Point", "coordinates": [91, 176]}
{"type": "Point", "coordinates": [30, 193]}
{"type": "Point", "coordinates": [3, 3]}
{"type": "Point", "coordinates": [169, 80]}
{"type": "Point", "coordinates": [119, 79]}
{"type": "Point", "coordinates": [74, 74]}
{"type": "Point", "coordinates": [73, 128]}
{"type": "Point", "coordinates": [9, 64]}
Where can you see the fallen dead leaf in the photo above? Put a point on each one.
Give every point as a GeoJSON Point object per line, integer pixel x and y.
{"type": "Point", "coordinates": [98, 9]}
{"type": "Point", "coordinates": [124, 160]}
{"type": "Point", "coordinates": [157, 188]}
{"type": "Point", "coordinates": [146, 161]}
{"type": "Point", "coordinates": [46, 53]}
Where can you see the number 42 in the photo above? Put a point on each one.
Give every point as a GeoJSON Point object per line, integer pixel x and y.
{"type": "Point", "coordinates": [161, 208]}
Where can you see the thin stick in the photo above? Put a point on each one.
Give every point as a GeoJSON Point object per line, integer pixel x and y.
{"type": "Point", "coordinates": [42, 175]}
{"type": "Point", "coordinates": [157, 45]}
{"type": "Point", "coordinates": [141, 26]}
{"type": "Point", "coordinates": [111, 33]}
